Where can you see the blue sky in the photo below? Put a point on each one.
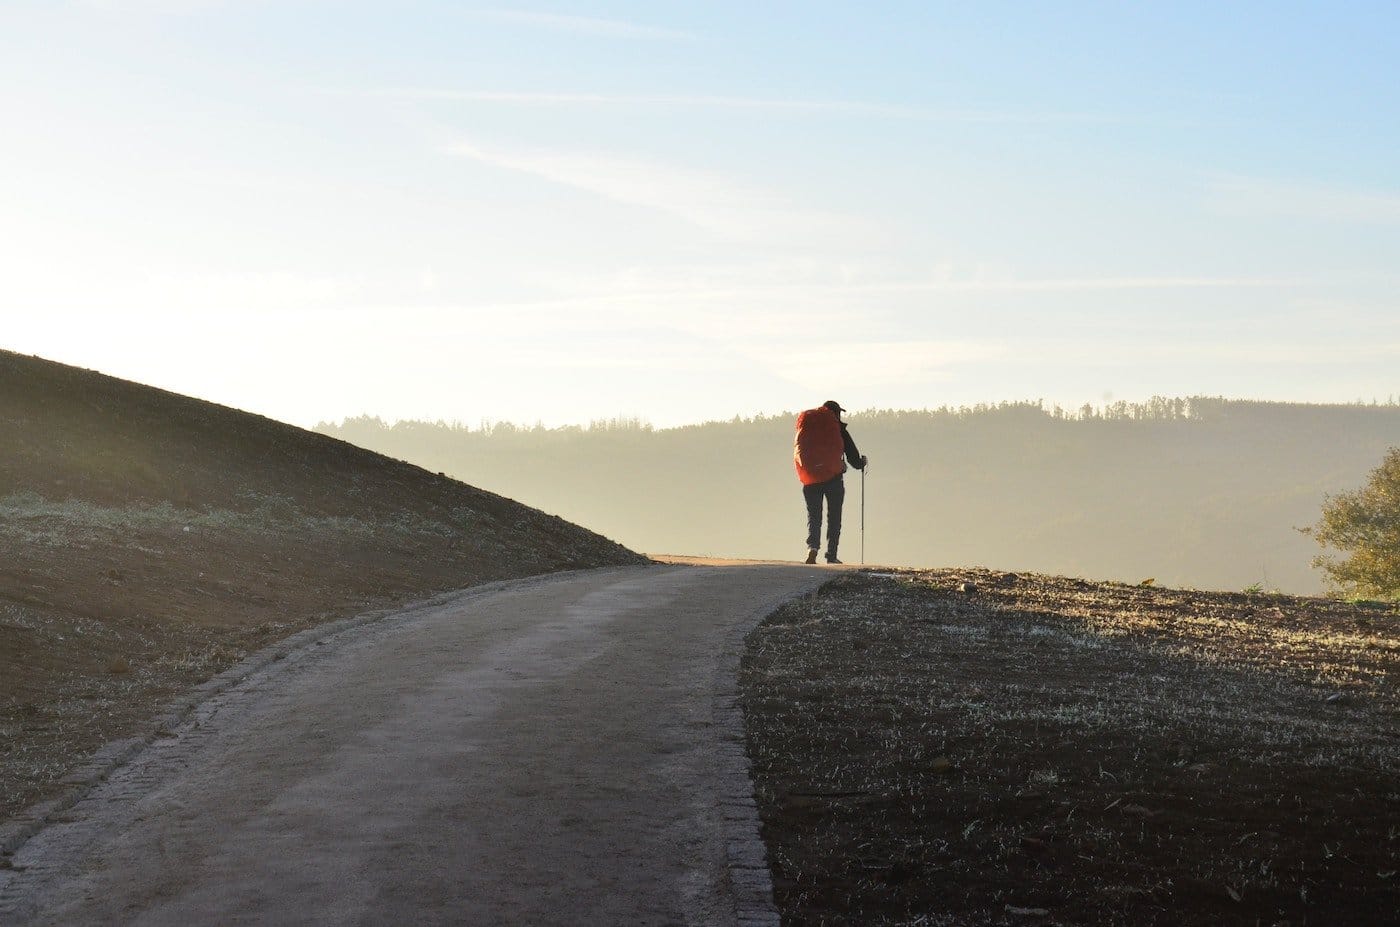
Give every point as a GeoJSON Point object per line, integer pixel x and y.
{"type": "Point", "coordinates": [560, 212]}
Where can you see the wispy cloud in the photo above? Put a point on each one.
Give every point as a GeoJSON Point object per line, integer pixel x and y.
{"type": "Point", "coordinates": [835, 292]}
{"type": "Point", "coordinates": [583, 25]}
{"type": "Point", "coordinates": [1256, 197]}
{"type": "Point", "coordinates": [153, 7]}
{"type": "Point", "coordinates": [879, 363]}
{"type": "Point", "coordinates": [1186, 352]}
{"type": "Point", "coordinates": [1075, 284]}
{"type": "Point", "coordinates": [707, 101]}
{"type": "Point", "coordinates": [703, 198]}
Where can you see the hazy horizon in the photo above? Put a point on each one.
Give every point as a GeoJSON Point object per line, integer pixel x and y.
{"type": "Point", "coordinates": [1198, 491]}
{"type": "Point", "coordinates": [1201, 492]}
{"type": "Point", "coordinates": [679, 212]}
{"type": "Point", "coordinates": [1104, 409]}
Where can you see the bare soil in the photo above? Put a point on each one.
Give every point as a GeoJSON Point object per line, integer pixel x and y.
{"type": "Point", "coordinates": [1039, 750]}
{"type": "Point", "coordinates": [149, 540]}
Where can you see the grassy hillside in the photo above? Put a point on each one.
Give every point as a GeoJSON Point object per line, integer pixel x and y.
{"type": "Point", "coordinates": [1199, 492]}
{"type": "Point", "coordinates": [150, 539]}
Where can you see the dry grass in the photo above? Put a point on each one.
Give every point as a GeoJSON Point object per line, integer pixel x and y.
{"type": "Point", "coordinates": [1102, 754]}
{"type": "Point", "coordinates": [151, 540]}
{"type": "Point", "coordinates": [28, 518]}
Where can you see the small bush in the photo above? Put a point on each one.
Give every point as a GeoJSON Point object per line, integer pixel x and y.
{"type": "Point", "coordinates": [1365, 524]}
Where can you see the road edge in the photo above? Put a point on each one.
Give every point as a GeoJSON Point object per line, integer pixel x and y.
{"type": "Point", "coordinates": [746, 855]}
{"type": "Point", "coordinates": [78, 784]}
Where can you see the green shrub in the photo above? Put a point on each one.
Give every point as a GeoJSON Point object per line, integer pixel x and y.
{"type": "Point", "coordinates": [1366, 525]}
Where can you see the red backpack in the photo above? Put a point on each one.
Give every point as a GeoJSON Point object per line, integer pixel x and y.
{"type": "Point", "coordinates": [818, 451]}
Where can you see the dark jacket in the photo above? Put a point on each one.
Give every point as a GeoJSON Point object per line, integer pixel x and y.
{"type": "Point", "coordinates": [852, 453]}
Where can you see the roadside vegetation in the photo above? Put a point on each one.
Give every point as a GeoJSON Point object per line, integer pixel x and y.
{"type": "Point", "coordinates": [1365, 525]}
{"type": "Point", "coordinates": [971, 747]}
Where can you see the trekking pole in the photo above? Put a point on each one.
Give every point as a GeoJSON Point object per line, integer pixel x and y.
{"type": "Point", "coordinates": [862, 515]}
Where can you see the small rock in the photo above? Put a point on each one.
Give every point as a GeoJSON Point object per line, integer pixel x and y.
{"type": "Point", "coordinates": [967, 587]}
{"type": "Point", "coordinates": [1139, 811]}
{"type": "Point", "coordinates": [941, 765]}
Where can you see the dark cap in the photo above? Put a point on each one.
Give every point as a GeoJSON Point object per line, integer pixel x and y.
{"type": "Point", "coordinates": [833, 405]}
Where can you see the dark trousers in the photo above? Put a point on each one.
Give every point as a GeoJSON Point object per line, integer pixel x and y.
{"type": "Point", "coordinates": [834, 492]}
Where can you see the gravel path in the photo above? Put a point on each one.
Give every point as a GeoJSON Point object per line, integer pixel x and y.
{"type": "Point", "coordinates": [561, 750]}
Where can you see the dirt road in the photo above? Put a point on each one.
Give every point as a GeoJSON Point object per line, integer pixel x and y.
{"type": "Point", "coordinates": [559, 750]}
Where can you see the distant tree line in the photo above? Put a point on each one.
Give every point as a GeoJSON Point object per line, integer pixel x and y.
{"type": "Point", "coordinates": [1197, 491]}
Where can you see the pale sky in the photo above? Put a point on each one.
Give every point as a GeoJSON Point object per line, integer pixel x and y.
{"type": "Point", "coordinates": [559, 212]}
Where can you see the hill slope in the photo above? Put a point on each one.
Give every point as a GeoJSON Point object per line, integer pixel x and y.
{"type": "Point", "coordinates": [150, 540]}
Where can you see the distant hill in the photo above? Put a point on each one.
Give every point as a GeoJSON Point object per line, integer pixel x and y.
{"type": "Point", "coordinates": [1197, 491]}
{"type": "Point", "coordinates": [148, 540]}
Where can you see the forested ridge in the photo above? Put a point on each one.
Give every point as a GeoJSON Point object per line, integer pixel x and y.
{"type": "Point", "coordinates": [1197, 491]}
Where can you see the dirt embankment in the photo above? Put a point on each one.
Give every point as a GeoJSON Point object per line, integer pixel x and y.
{"type": "Point", "coordinates": [955, 747]}
{"type": "Point", "coordinates": [149, 540]}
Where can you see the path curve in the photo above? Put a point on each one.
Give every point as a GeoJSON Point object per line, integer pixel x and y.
{"type": "Point", "coordinates": [558, 750]}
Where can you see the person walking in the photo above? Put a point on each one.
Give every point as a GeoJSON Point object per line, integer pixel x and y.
{"type": "Point", "coordinates": [821, 451]}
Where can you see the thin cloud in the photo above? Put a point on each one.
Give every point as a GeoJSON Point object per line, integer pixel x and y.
{"type": "Point", "coordinates": [154, 7]}
{"type": "Point", "coordinates": [1187, 353]}
{"type": "Point", "coordinates": [701, 308]}
{"type": "Point", "coordinates": [1255, 197]}
{"type": "Point", "coordinates": [705, 199]}
{"type": "Point", "coordinates": [880, 363]}
{"type": "Point", "coordinates": [704, 101]}
{"type": "Point", "coordinates": [582, 25]}
{"type": "Point", "coordinates": [1280, 353]}
{"type": "Point", "coordinates": [891, 363]}
{"type": "Point", "coordinates": [1074, 284]}
{"type": "Point", "coordinates": [809, 292]}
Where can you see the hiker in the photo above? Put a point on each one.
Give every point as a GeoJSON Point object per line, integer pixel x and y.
{"type": "Point", "coordinates": [820, 452]}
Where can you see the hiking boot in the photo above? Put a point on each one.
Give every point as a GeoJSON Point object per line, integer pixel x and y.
{"type": "Point", "coordinates": [831, 558]}
{"type": "Point", "coordinates": [811, 555]}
